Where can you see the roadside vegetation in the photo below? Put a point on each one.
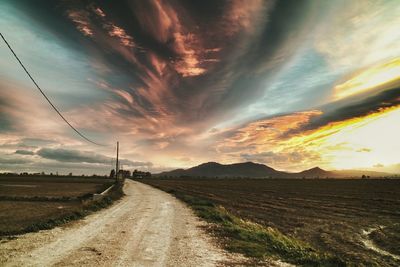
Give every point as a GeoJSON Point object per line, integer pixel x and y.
{"type": "Point", "coordinates": [307, 222]}
{"type": "Point", "coordinates": [255, 240]}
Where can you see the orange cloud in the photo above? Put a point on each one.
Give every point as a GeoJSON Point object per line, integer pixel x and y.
{"type": "Point", "coordinates": [190, 63]}
{"type": "Point", "coordinates": [157, 18]}
{"type": "Point", "coordinates": [334, 145]}
{"type": "Point", "coordinates": [164, 24]}
{"type": "Point", "coordinates": [269, 130]}
{"type": "Point", "coordinates": [99, 12]}
{"type": "Point", "coordinates": [120, 33]}
{"type": "Point", "coordinates": [81, 19]}
{"type": "Point", "coordinates": [158, 64]}
{"type": "Point", "coordinates": [242, 15]}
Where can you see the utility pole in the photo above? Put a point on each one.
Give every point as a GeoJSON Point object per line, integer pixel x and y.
{"type": "Point", "coordinates": [116, 164]}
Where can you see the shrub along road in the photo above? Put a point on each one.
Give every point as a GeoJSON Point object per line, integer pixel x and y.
{"type": "Point", "coordinates": [147, 227]}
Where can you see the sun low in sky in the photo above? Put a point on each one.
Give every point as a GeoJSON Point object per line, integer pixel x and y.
{"type": "Point", "coordinates": [290, 84]}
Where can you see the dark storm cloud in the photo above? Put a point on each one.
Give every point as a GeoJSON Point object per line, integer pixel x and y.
{"type": "Point", "coordinates": [24, 152]}
{"type": "Point", "coordinates": [157, 75]}
{"type": "Point", "coordinates": [68, 155]}
{"type": "Point", "coordinates": [5, 121]}
{"type": "Point", "coordinates": [72, 155]}
{"type": "Point", "coordinates": [284, 22]}
{"type": "Point", "coordinates": [186, 60]}
{"type": "Point", "coordinates": [248, 59]}
{"type": "Point", "coordinates": [342, 110]}
{"type": "Point", "coordinates": [336, 112]}
{"type": "Point", "coordinates": [26, 144]}
{"type": "Point", "coordinates": [13, 161]}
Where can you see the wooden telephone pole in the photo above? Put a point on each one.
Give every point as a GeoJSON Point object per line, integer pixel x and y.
{"type": "Point", "coordinates": [117, 163]}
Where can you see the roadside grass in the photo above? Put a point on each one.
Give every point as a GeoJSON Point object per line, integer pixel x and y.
{"type": "Point", "coordinates": [327, 214]}
{"type": "Point", "coordinates": [65, 216]}
{"type": "Point", "coordinates": [255, 240]}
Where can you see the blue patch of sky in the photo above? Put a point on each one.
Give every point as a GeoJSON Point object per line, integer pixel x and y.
{"type": "Point", "coordinates": [63, 73]}
{"type": "Point", "coordinates": [305, 82]}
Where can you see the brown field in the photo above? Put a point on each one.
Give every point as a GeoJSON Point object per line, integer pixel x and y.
{"type": "Point", "coordinates": [330, 215]}
{"type": "Point", "coordinates": [51, 186]}
{"type": "Point", "coordinates": [34, 203]}
{"type": "Point", "coordinates": [16, 216]}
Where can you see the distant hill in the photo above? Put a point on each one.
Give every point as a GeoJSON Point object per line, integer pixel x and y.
{"type": "Point", "coordinates": [214, 169]}
{"type": "Point", "coordinates": [315, 173]}
{"type": "Point", "coordinates": [257, 170]}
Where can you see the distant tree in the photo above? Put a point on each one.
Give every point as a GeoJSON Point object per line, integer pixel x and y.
{"type": "Point", "coordinates": [112, 173]}
{"type": "Point", "coordinates": [124, 173]}
{"type": "Point", "coordinates": [70, 174]}
{"type": "Point", "coordinates": [140, 174]}
{"type": "Point", "coordinates": [363, 176]}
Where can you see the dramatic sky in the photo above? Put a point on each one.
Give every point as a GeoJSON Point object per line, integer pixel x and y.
{"type": "Point", "coordinates": [291, 84]}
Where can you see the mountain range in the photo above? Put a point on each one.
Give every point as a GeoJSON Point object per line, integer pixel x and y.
{"type": "Point", "coordinates": [257, 170]}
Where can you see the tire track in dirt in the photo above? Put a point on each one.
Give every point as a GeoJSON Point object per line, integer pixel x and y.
{"type": "Point", "coordinates": [369, 243]}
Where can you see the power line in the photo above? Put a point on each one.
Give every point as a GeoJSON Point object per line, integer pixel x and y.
{"type": "Point", "coordinates": [44, 95]}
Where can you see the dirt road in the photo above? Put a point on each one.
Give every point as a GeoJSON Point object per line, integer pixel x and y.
{"type": "Point", "coordinates": [146, 228]}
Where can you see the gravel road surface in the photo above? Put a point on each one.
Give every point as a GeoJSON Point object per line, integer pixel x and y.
{"type": "Point", "coordinates": [147, 227]}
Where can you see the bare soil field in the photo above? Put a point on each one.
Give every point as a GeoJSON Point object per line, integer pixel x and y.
{"type": "Point", "coordinates": [330, 215]}
{"type": "Point", "coordinates": [51, 186]}
{"type": "Point", "coordinates": [33, 203]}
{"type": "Point", "coordinates": [16, 216]}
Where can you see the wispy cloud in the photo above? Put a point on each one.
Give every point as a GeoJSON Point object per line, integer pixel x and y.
{"type": "Point", "coordinates": [24, 152]}
{"type": "Point", "coordinates": [68, 155]}
{"type": "Point", "coordinates": [201, 80]}
{"type": "Point", "coordinates": [81, 20]}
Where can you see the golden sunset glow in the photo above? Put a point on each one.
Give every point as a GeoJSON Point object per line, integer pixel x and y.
{"type": "Point", "coordinates": [369, 79]}
{"type": "Point", "coordinates": [370, 139]}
